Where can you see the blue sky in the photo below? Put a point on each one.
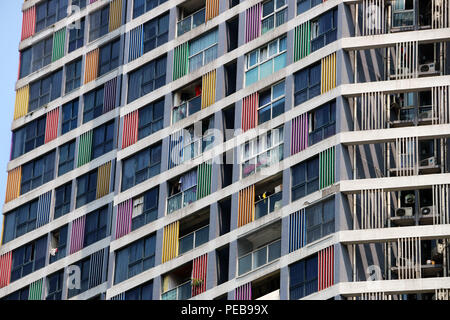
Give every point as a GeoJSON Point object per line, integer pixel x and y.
{"type": "Point", "coordinates": [10, 28]}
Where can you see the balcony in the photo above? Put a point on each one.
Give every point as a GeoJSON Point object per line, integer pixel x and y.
{"type": "Point", "coordinates": [322, 133]}
{"type": "Point", "coordinates": [190, 22]}
{"type": "Point", "coordinates": [182, 292]}
{"type": "Point", "coordinates": [193, 239]}
{"type": "Point", "coordinates": [259, 257]}
{"type": "Point", "coordinates": [323, 39]}
{"type": "Point", "coordinates": [268, 205]}
{"type": "Point", "coordinates": [186, 109]}
{"type": "Point", "coordinates": [181, 199]}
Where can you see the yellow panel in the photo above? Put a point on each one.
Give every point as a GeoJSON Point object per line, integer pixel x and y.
{"type": "Point", "coordinates": [246, 206]}
{"type": "Point", "coordinates": [21, 105]}
{"type": "Point", "coordinates": [328, 73]}
{"type": "Point", "coordinates": [103, 177]}
{"type": "Point", "coordinates": [13, 184]}
{"type": "Point", "coordinates": [170, 241]}
{"type": "Point", "coordinates": [91, 68]}
{"type": "Point", "coordinates": [212, 9]}
{"type": "Point", "coordinates": [115, 15]}
{"type": "Point", "coordinates": [209, 89]}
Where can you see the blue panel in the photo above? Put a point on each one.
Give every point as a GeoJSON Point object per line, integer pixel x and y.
{"type": "Point", "coordinates": [297, 230]}
{"type": "Point", "coordinates": [96, 269]}
{"type": "Point", "coordinates": [43, 211]}
{"type": "Point", "coordinates": [136, 43]}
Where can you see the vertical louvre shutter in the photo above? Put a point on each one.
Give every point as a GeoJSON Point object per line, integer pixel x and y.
{"type": "Point", "coordinates": [136, 43]}
{"type": "Point", "coordinates": [96, 269]}
{"type": "Point", "coordinates": [77, 237]}
{"type": "Point", "coordinates": [28, 23]}
{"type": "Point", "coordinates": [253, 23]}
{"type": "Point", "coordinates": [209, 89]}
{"type": "Point", "coordinates": [243, 292]}
{"type": "Point", "coordinates": [199, 270]}
{"type": "Point", "coordinates": [84, 149]}
{"type": "Point", "coordinates": [35, 291]}
{"type": "Point", "coordinates": [59, 41]}
{"type": "Point", "coordinates": [180, 61]}
{"type": "Point", "coordinates": [297, 230]}
{"type": "Point", "coordinates": [115, 14]}
{"type": "Point", "coordinates": [21, 104]}
{"type": "Point", "coordinates": [176, 149]}
{"type": "Point", "coordinates": [211, 9]}
{"type": "Point", "coordinates": [124, 217]}
{"type": "Point", "coordinates": [250, 111]}
{"type": "Point", "coordinates": [170, 241]}
{"type": "Point", "coordinates": [51, 126]}
{"type": "Point", "coordinates": [5, 269]}
{"type": "Point", "coordinates": [13, 184]}
{"type": "Point", "coordinates": [109, 98]}
{"type": "Point", "coordinates": [326, 168]}
{"type": "Point", "coordinates": [328, 72]}
{"type": "Point", "coordinates": [299, 137]}
{"type": "Point", "coordinates": [103, 178]}
{"type": "Point", "coordinates": [326, 268]}
{"type": "Point", "coordinates": [246, 207]}
{"type": "Point", "coordinates": [130, 129]}
{"type": "Point", "coordinates": [302, 41]}
{"type": "Point", "coordinates": [204, 180]}
{"type": "Point", "coordinates": [91, 68]}
{"type": "Point", "coordinates": [43, 210]}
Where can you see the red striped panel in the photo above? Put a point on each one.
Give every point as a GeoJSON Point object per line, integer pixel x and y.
{"type": "Point", "coordinates": [124, 217]}
{"type": "Point", "coordinates": [77, 238]}
{"type": "Point", "coordinates": [28, 23]}
{"type": "Point", "coordinates": [326, 268]}
{"type": "Point", "coordinates": [5, 269]}
{"type": "Point", "coordinates": [199, 268]}
{"type": "Point", "coordinates": [130, 129]}
{"type": "Point", "coordinates": [51, 126]}
{"type": "Point", "coordinates": [249, 111]}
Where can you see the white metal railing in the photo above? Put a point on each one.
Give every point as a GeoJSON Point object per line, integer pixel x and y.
{"type": "Point", "coordinates": [259, 257]}
{"type": "Point", "coordinates": [190, 22]}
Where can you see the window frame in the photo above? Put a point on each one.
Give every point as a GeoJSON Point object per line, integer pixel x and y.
{"type": "Point", "coordinates": [114, 57]}
{"type": "Point", "coordinates": [203, 50]}
{"type": "Point", "coordinates": [53, 93]}
{"type": "Point", "coordinates": [66, 157]}
{"type": "Point", "coordinates": [66, 200]}
{"type": "Point", "coordinates": [273, 100]}
{"type": "Point", "coordinates": [97, 108]}
{"type": "Point", "coordinates": [147, 128]}
{"type": "Point", "coordinates": [76, 36]}
{"type": "Point", "coordinates": [73, 120]}
{"type": "Point", "coordinates": [100, 219]}
{"type": "Point", "coordinates": [308, 181]}
{"type": "Point", "coordinates": [159, 38]}
{"type": "Point", "coordinates": [274, 14]}
{"type": "Point", "coordinates": [60, 13]}
{"type": "Point", "coordinates": [43, 176]}
{"type": "Point", "coordinates": [73, 76]}
{"type": "Point", "coordinates": [107, 143]}
{"type": "Point", "coordinates": [90, 181]}
{"type": "Point", "coordinates": [96, 32]}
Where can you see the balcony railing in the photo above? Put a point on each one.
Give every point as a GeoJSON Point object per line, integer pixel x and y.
{"type": "Point", "coordinates": [190, 22]}
{"type": "Point", "coordinates": [186, 109]}
{"type": "Point", "coordinates": [194, 239]}
{"type": "Point", "coordinates": [182, 292]}
{"type": "Point", "coordinates": [268, 205]}
{"type": "Point", "coordinates": [181, 199]}
{"type": "Point", "coordinates": [324, 39]}
{"type": "Point", "coordinates": [259, 257]}
{"type": "Point", "coordinates": [322, 133]}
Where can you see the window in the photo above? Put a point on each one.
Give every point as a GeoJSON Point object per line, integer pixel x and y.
{"type": "Point", "coordinates": [322, 122]}
{"type": "Point", "coordinates": [151, 119]}
{"type": "Point", "coordinates": [274, 14]}
{"type": "Point", "coordinates": [262, 152]}
{"type": "Point", "coordinates": [54, 285]}
{"type": "Point", "coordinates": [141, 166]}
{"type": "Point", "coordinates": [96, 226]}
{"type": "Point", "coordinates": [203, 50]}
{"type": "Point", "coordinates": [69, 116]}
{"type": "Point", "coordinates": [73, 75]}
{"type": "Point", "coordinates": [271, 103]}
{"type": "Point", "coordinates": [58, 243]}
{"type": "Point", "coordinates": [99, 23]}
{"type": "Point", "coordinates": [86, 188]}
{"type": "Point", "coordinates": [305, 178]}
{"type": "Point", "coordinates": [37, 172]}
{"type": "Point", "coordinates": [79, 3]}
{"type": "Point", "coordinates": [324, 30]}
{"type": "Point", "coordinates": [190, 18]}
{"type": "Point", "coordinates": [403, 13]}
{"type": "Point", "coordinates": [109, 57]}
{"type": "Point", "coordinates": [28, 258]}
{"type": "Point", "coordinates": [305, 5]}
{"type": "Point", "coordinates": [303, 277]}
{"type": "Point", "coordinates": [93, 104]}
{"type": "Point", "coordinates": [42, 54]}
{"type": "Point", "coordinates": [142, 6]}
{"type": "Point", "coordinates": [134, 259]}
{"type": "Point", "coordinates": [66, 157]}
{"type": "Point", "coordinates": [21, 221]}
{"type": "Point", "coordinates": [45, 90]}
{"type": "Point", "coordinates": [103, 139]}
{"type": "Point", "coordinates": [147, 78]}
{"type": "Point", "coordinates": [76, 36]}
{"type": "Point", "coordinates": [25, 62]}
{"type": "Point", "coordinates": [156, 32]}
{"type": "Point", "coordinates": [29, 137]}
{"type": "Point", "coordinates": [319, 220]}
{"type": "Point", "coordinates": [145, 208]}
{"type": "Point", "coordinates": [266, 60]}
{"type": "Point", "coordinates": [63, 196]}
{"type": "Point", "coordinates": [307, 84]}
{"type": "Point", "coordinates": [49, 12]}
{"type": "Point", "coordinates": [84, 266]}
{"type": "Point", "coordinates": [21, 294]}
{"type": "Point", "coordinates": [142, 292]}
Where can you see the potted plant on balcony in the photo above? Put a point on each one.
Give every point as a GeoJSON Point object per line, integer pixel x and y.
{"type": "Point", "coordinates": [197, 282]}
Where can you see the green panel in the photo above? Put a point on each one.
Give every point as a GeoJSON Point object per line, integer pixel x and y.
{"type": "Point", "coordinates": [180, 61]}
{"type": "Point", "coordinates": [84, 149]}
{"type": "Point", "coordinates": [204, 180]}
{"type": "Point", "coordinates": [326, 168]}
{"type": "Point", "coordinates": [35, 292]}
{"type": "Point", "coordinates": [59, 41]}
{"type": "Point", "coordinates": [302, 41]}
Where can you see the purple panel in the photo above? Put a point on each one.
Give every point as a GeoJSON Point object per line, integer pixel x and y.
{"type": "Point", "coordinates": [92, 1]}
{"type": "Point", "coordinates": [77, 238]}
{"type": "Point", "coordinates": [244, 292]}
{"type": "Point", "coordinates": [124, 215]}
{"type": "Point", "coordinates": [109, 102]}
{"type": "Point", "coordinates": [253, 23]}
{"type": "Point", "coordinates": [299, 138]}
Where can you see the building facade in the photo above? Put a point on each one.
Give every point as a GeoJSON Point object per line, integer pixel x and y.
{"type": "Point", "coordinates": [232, 150]}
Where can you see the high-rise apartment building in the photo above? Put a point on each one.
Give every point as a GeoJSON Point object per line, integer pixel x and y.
{"type": "Point", "coordinates": [226, 149]}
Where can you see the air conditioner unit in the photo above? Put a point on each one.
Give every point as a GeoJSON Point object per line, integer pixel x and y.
{"type": "Point", "coordinates": [428, 162]}
{"type": "Point", "coordinates": [427, 68]}
{"type": "Point", "coordinates": [426, 210]}
{"type": "Point", "coordinates": [404, 212]}
{"type": "Point", "coordinates": [426, 115]}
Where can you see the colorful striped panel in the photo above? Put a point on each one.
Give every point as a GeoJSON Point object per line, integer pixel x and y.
{"type": "Point", "coordinates": [299, 137]}
{"type": "Point", "coordinates": [13, 184]}
{"type": "Point", "coordinates": [250, 111]}
{"type": "Point", "coordinates": [326, 268]}
{"type": "Point", "coordinates": [199, 270]}
{"type": "Point", "coordinates": [211, 9]}
{"type": "Point", "coordinates": [176, 149]}
{"type": "Point", "coordinates": [115, 14]}
{"type": "Point", "coordinates": [109, 98]}
{"type": "Point", "coordinates": [246, 206]}
{"type": "Point", "coordinates": [243, 292]}
{"type": "Point", "coordinates": [5, 269]}
{"type": "Point", "coordinates": [91, 67]}
{"type": "Point", "coordinates": [204, 180]}
{"type": "Point", "coordinates": [253, 22]}
{"type": "Point", "coordinates": [21, 104]}
{"type": "Point", "coordinates": [28, 23]}
{"type": "Point", "coordinates": [96, 269]}
{"type": "Point", "coordinates": [136, 43]}
{"type": "Point", "coordinates": [77, 237]}
{"type": "Point", "coordinates": [209, 89]}
{"type": "Point", "coordinates": [326, 168]}
{"type": "Point", "coordinates": [297, 230]}
{"type": "Point", "coordinates": [130, 129]}
{"type": "Point", "coordinates": [103, 178]}
{"type": "Point", "coordinates": [180, 61]}
{"type": "Point", "coordinates": [170, 241]}
{"type": "Point", "coordinates": [124, 217]}
{"type": "Point", "coordinates": [43, 209]}
{"type": "Point", "coordinates": [35, 291]}
{"type": "Point", "coordinates": [51, 126]}
{"type": "Point", "coordinates": [328, 73]}
{"type": "Point", "coordinates": [59, 42]}
{"type": "Point", "coordinates": [119, 297]}
{"type": "Point", "coordinates": [302, 41]}
{"type": "Point", "coordinates": [92, 1]}
{"type": "Point", "coordinates": [84, 148]}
